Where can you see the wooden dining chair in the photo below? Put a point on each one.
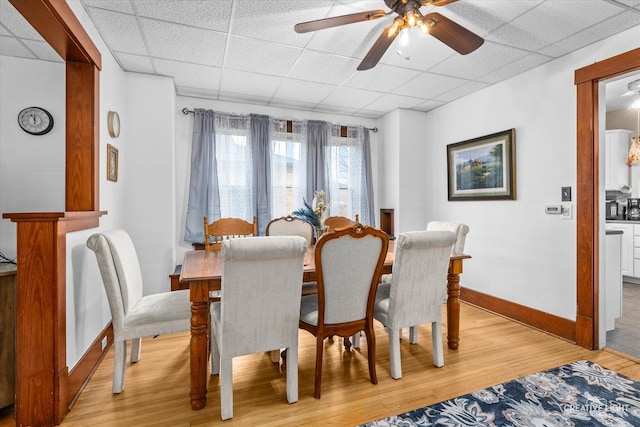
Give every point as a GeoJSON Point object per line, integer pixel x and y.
{"type": "Point", "coordinates": [348, 266]}
{"type": "Point", "coordinates": [412, 295]}
{"type": "Point", "coordinates": [227, 228]}
{"type": "Point", "coordinates": [291, 226]}
{"type": "Point", "coordinates": [335, 222]}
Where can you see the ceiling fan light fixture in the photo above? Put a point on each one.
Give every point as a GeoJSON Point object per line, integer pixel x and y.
{"type": "Point", "coordinates": [411, 18]}
{"type": "Point", "coordinates": [395, 27]}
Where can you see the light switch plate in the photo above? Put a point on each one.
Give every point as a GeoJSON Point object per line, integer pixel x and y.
{"type": "Point", "coordinates": [566, 194]}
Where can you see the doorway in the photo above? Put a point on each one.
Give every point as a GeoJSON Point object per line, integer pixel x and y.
{"type": "Point", "coordinates": [588, 228]}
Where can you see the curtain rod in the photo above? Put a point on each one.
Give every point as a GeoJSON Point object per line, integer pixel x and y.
{"type": "Point", "coordinates": [186, 111]}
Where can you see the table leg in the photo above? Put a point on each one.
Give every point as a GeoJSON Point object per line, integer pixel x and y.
{"type": "Point", "coordinates": [198, 347]}
{"type": "Point", "coordinates": [453, 303]}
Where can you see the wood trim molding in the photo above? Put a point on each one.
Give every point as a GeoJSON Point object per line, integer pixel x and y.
{"type": "Point", "coordinates": [546, 322]}
{"type": "Point", "coordinates": [587, 80]}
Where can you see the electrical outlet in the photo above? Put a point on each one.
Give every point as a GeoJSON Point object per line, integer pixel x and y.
{"type": "Point", "coordinates": [103, 344]}
{"type": "Point", "coordinates": [567, 211]}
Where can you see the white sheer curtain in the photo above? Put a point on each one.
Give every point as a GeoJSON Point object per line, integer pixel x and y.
{"type": "Point", "coordinates": [288, 166]}
{"type": "Point", "coordinates": [350, 174]}
{"type": "Point", "coordinates": [235, 166]}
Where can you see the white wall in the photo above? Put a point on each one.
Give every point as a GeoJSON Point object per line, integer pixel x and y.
{"type": "Point", "coordinates": [32, 168]}
{"type": "Point", "coordinates": [519, 253]}
{"type": "Point", "coordinates": [184, 130]}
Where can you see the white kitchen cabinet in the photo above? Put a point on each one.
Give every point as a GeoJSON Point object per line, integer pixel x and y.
{"type": "Point", "coordinates": [627, 254]}
{"type": "Point", "coordinates": [617, 172]}
{"type": "Point", "coordinates": [613, 280]}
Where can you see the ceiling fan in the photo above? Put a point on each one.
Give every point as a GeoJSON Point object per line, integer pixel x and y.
{"type": "Point", "coordinates": [447, 31]}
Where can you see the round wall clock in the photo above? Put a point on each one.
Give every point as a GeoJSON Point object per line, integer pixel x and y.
{"type": "Point", "coordinates": [35, 120]}
{"type": "Point", "coordinates": [113, 124]}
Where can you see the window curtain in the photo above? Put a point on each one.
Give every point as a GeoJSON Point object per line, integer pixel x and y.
{"type": "Point", "coordinates": [350, 176]}
{"type": "Point", "coordinates": [261, 141]}
{"type": "Point", "coordinates": [204, 198]}
{"type": "Point", "coordinates": [318, 143]}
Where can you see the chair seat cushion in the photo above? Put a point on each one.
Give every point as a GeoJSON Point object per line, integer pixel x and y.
{"type": "Point", "coordinates": [162, 313]}
{"type": "Point", "coordinates": [381, 306]}
{"type": "Point", "coordinates": [309, 309]}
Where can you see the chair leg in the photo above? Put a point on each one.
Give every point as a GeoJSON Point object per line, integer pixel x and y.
{"type": "Point", "coordinates": [394, 353]}
{"type": "Point", "coordinates": [136, 344]}
{"type": "Point", "coordinates": [355, 340]}
{"type": "Point", "coordinates": [119, 365]}
{"type": "Point", "coordinates": [413, 334]}
{"type": "Point", "coordinates": [438, 353]}
{"type": "Point", "coordinates": [215, 355]}
{"type": "Point", "coordinates": [319, 354]}
{"type": "Point", "coordinates": [226, 388]}
{"type": "Point", "coordinates": [371, 352]}
{"type": "Point", "coordinates": [275, 356]}
{"type": "Point", "coordinates": [292, 374]}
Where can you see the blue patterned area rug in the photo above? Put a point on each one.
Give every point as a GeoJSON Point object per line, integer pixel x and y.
{"type": "Point", "coordinates": [579, 394]}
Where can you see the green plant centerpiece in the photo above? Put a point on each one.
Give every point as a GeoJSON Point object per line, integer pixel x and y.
{"type": "Point", "coordinates": [316, 212]}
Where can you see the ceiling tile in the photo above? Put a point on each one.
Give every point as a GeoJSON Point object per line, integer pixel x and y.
{"type": "Point", "coordinates": [241, 82]}
{"type": "Point", "coordinates": [381, 78]}
{"type": "Point", "coordinates": [428, 105]}
{"type": "Point", "coordinates": [119, 31]}
{"type": "Point", "coordinates": [123, 6]}
{"type": "Point", "coordinates": [298, 90]}
{"type": "Point", "coordinates": [323, 68]}
{"type": "Point", "coordinates": [293, 105]}
{"type": "Point", "coordinates": [135, 63]}
{"type": "Point", "coordinates": [43, 50]}
{"type": "Point", "coordinates": [334, 109]}
{"type": "Point", "coordinates": [353, 40]}
{"type": "Point", "coordinates": [182, 43]}
{"type": "Point", "coordinates": [4, 31]}
{"type": "Point", "coordinates": [484, 16]}
{"type": "Point", "coordinates": [460, 91]}
{"type": "Point", "coordinates": [429, 85]}
{"type": "Point", "coordinates": [489, 57]}
{"type": "Point", "coordinates": [592, 34]}
{"type": "Point", "coordinates": [543, 25]}
{"type": "Point", "coordinates": [514, 68]}
{"type": "Point", "coordinates": [260, 56]}
{"type": "Point", "coordinates": [213, 15]}
{"type": "Point", "coordinates": [190, 75]}
{"type": "Point", "coordinates": [351, 98]}
{"type": "Point", "coordinates": [390, 102]}
{"type": "Point", "coordinates": [15, 23]}
{"type": "Point", "coordinates": [10, 46]}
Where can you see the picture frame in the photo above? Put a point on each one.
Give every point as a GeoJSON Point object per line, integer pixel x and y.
{"type": "Point", "coordinates": [112, 163]}
{"type": "Point", "coordinates": [482, 168]}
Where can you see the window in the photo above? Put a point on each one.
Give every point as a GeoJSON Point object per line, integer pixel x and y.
{"type": "Point", "coordinates": [288, 166]}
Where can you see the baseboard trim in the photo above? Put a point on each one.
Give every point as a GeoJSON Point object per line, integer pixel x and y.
{"type": "Point", "coordinates": [88, 363]}
{"type": "Point", "coordinates": [546, 322]}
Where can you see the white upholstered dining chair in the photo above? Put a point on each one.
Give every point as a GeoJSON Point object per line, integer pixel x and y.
{"type": "Point", "coordinates": [412, 295]}
{"type": "Point", "coordinates": [259, 307]}
{"type": "Point", "coordinates": [459, 229]}
{"type": "Point", "coordinates": [291, 226]}
{"type": "Point", "coordinates": [133, 315]}
{"type": "Point", "coordinates": [348, 265]}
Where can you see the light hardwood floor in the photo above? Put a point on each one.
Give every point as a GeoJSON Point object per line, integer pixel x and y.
{"type": "Point", "coordinates": [492, 350]}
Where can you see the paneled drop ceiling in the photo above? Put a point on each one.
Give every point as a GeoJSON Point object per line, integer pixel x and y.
{"type": "Point", "coordinates": [247, 51]}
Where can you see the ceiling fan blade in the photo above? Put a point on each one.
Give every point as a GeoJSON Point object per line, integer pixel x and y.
{"type": "Point", "coordinates": [436, 2]}
{"type": "Point", "coordinates": [378, 49]}
{"type": "Point", "coordinates": [452, 34]}
{"type": "Point", "coordinates": [321, 24]}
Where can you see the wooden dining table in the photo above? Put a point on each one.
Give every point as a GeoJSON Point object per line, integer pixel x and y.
{"type": "Point", "coordinates": [202, 272]}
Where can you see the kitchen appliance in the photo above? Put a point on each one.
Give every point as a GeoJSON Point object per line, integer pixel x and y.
{"type": "Point", "coordinates": [633, 209]}
{"type": "Point", "coordinates": [612, 209]}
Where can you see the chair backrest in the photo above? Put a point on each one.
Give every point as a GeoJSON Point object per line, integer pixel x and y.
{"type": "Point", "coordinates": [290, 226]}
{"type": "Point", "coordinates": [335, 222]}
{"type": "Point", "coordinates": [419, 279]}
{"type": "Point", "coordinates": [459, 229]}
{"type": "Point", "coordinates": [120, 271]}
{"type": "Point", "coordinates": [261, 291]}
{"type": "Point", "coordinates": [348, 265]}
{"type": "Point", "coordinates": [227, 228]}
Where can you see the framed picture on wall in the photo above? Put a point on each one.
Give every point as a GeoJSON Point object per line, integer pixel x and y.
{"type": "Point", "coordinates": [112, 163]}
{"type": "Point", "coordinates": [483, 168]}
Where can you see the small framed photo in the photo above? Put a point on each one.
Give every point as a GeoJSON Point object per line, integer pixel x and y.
{"type": "Point", "coordinates": [483, 168]}
{"type": "Point", "coordinates": [112, 163]}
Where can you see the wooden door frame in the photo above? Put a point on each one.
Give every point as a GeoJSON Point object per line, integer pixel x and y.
{"type": "Point", "coordinates": [587, 80]}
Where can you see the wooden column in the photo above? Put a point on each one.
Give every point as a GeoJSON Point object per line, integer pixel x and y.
{"type": "Point", "coordinates": [7, 334]}
{"type": "Point", "coordinates": [42, 395]}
